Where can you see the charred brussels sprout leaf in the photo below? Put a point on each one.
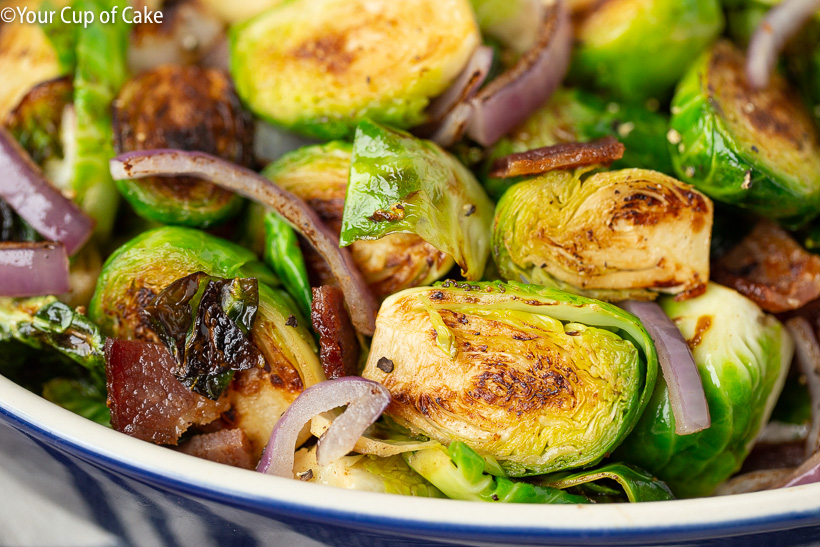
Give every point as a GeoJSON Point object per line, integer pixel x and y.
{"type": "Point", "coordinates": [573, 115]}
{"type": "Point", "coordinates": [318, 174]}
{"type": "Point", "coordinates": [639, 49]}
{"type": "Point", "coordinates": [80, 397]}
{"type": "Point", "coordinates": [754, 149]}
{"type": "Point", "coordinates": [459, 472]}
{"type": "Point", "coordinates": [319, 67]}
{"type": "Point", "coordinates": [611, 235]}
{"type": "Point", "coordinates": [204, 321]}
{"type": "Point", "coordinates": [743, 356]}
{"type": "Point", "coordinates": [399, 183]}
{"type": "Point", "coordinates": [537, 378]}
{"type": "Point", "coordinates": [635, 484]}
{"type": "Point", "coordinates": [188, 108]}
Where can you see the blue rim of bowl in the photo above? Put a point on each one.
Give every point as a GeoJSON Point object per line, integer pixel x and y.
{"type": "Point", "coordinates": [681, 520]}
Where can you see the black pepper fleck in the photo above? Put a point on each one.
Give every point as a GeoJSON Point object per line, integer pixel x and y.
{"type": "Point", "coordinates": [292, 322]}
{"type": "Point", "coordinates": [306, 476]}
{"type": "Point", "coordinates": [385, 365]}
{"type": "Point", "coordinates": [495, 497]}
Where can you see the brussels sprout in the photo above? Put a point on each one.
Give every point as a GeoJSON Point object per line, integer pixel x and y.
{"type": "Point", "coordinates": [399, 183]}
{"type": "Point", "coordinates": [537, 378]}
{"type": "Point", "coordinates": [80, 397]}
{"type": "Point", "coordinates": [389, 475]}
{"type": "Point", "coordinates": [639, 49]}
{"type": "Point", "coordinates": [189, 108]}
{"type": "Point", "coordinates": [27, 58]}
{"type": "Point", "coordinates": [754, 149]}
{"type": "Point", "coordinates": [138, 271]}
{"type": "Point", "coordinates": [743, 356]}
{"type": "Point", "coordinates": [637, 484]}
{"type": "Point", "coordinates": [573, 115]}
{"type": "Point", "coordinates": [318, 174]}
{"type": "Point", "coordinates": [319, 67]}
{"type": "Point", "coordinates": [459, 472]}
{"type": "Point", "coordinates": [101, 71]}
{"type": "Point", "coordinates": [611, 235]}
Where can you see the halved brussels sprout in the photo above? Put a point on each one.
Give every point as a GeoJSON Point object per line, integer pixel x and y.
{"type": "Point", "coordinates": [743, 356]}
{"type": "Point", "coordinates": [319, 67]}
{"type": "Point", "coordinates": [638, 49]}
{"type": "Point", "coordinates": [755, 149]}
{"type": "Point", "coordinates": [389, 475]}
{"type": "Point", "coordinates": [574, 115]}
{"type": "Point", "coordinates": [401, 184]}
{"type": "Point", "coordinates": [318, 174]}
{"type": "Point", "coordinates": [612, 235]}
{"type": "Point", "coordinates": [537, 378]}
{"type": "Point", "coordinates": [189, 108]}
{"type": "Point", "coordinates": [135, 273]}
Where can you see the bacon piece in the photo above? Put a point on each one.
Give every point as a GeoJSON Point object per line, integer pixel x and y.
{"type": "Point", "coordinates": [146, 400]}
{"type": "Point", "coordinates": [338, 346]}
{"type": "Point", "coordinates": [228, 446]}
{"type": "Point", "coordinates": [771, 268]}
{"type": "Point", "coordinates": [560, 156]}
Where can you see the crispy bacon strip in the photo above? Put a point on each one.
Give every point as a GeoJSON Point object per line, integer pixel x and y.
{"type": "Point", "coordinates": [228, 446]}
{"type": "Point", "coordinates": [560, 156]}
{"type": "Point", "coordinates": [338, 347]}
{"type": "Point", "coordinates": [771, 268]}
{"type": "Point", "coordinates": [146, 400]}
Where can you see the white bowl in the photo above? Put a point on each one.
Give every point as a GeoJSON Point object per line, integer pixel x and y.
{"type": "Point", "coordinates": [141, 494]}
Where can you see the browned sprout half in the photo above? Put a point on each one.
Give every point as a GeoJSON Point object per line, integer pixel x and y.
{"type": "Point", "coordinates": [611, 235]}
{"type": "Point", "coordinates": [187, 108]}
{"type": "Point", "coordinates": [318, 174]}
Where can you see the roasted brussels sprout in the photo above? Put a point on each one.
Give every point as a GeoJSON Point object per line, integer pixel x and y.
{"type": "Point", "coordinates": [390, 475]}
{"type": "Point", "coordinates": [318, 174]}
{"type": "Point", "coordinates": [189, 108]}
{"type": "Point", "coordinates": [612, 235]}
{"type": "Point", "coordinates": [638, 49]}
{"type": "Point", "coordinates": [401, 184]}
{"type": "Point", "coordinates": [459, 472]}
{"type": "Point", "coordinates": [537, 378]}
{"type": "Point", "coordinates": [743, 356]}
{"type": "Point", "coordinates": [754, 149]}
{"type": "Point", "coordinates": [574, 115]}
{"type": "Point", "coordinates": [637, 485]}
{"type": "Point", "coordinates": [137, 272]}
{"type": "Point", "coordinates": [319, 67]}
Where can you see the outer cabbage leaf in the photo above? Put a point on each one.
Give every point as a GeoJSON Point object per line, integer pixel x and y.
{"type": "Point", "coordinates": [743, 356]}
{"type": "Point", "coordinates": [399, 183]}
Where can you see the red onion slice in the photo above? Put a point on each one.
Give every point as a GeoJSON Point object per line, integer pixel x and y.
{"type": "Point", "coordinates": [365, 401]}
{"type": "Point", "coordinates": [149, 163]}
{"type": "Point", "coordinates": [686, 394]}
{"type": "Point", "coordinates": [509, 99]}
{"type": "Point", "coordinates": [569, 155]}
{"type": "Point", "coordinates": [777, 27]}
{"type": "Point", "coordinates": [807, 355]}
{"type": "Point", "coordinates": [807, 473]}
{"type": "Point", "coordinates": [27, 191]}
{"type": "Point", "coordinates": [33, 269]}
{"type": "Point", "coordinates": [451, 110]}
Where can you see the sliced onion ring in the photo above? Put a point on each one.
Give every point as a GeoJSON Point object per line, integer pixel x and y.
{"type": "Point", "coordinates": [450, 111]}
{"type": "Point", "coordinates": [807, 355]}
{"type": "Point", "coordinates": [686, 395]}
{"type": "Point", "coordinates": [365, 401]}
{"type": "Point", "coordinates": [807, 473]}
{"type": "Point", "coordinates": [33, 269]}
{"type": "Point", "coordinates": [509, 99]}
{"type": "Point", "coordinates": [560, 156]}
{"type": "Point", "coordinates": [32, 196]}
{"type": "Point", "coordinates": [148, 163]}
{"type": "Point", "coordinates": [777, 27]}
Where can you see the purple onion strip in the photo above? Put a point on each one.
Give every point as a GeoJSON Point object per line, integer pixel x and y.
{"type": "Point", "coordinates": [149, 163]}
{"type": "Point", "coordinates": [509, 99]}
{"type": "Point", "coordinates": [686, 395]}
{"type": "Point", "coordinates": [365, 401]}
{"type": "Point", "coordinates": [807, 355]}
{"type": "Point", "coordinates": [33, 269]}
{"type": "Point", "coordinates": [32, 196]}
{"type": "Point", "coordinates": [777, 27]}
